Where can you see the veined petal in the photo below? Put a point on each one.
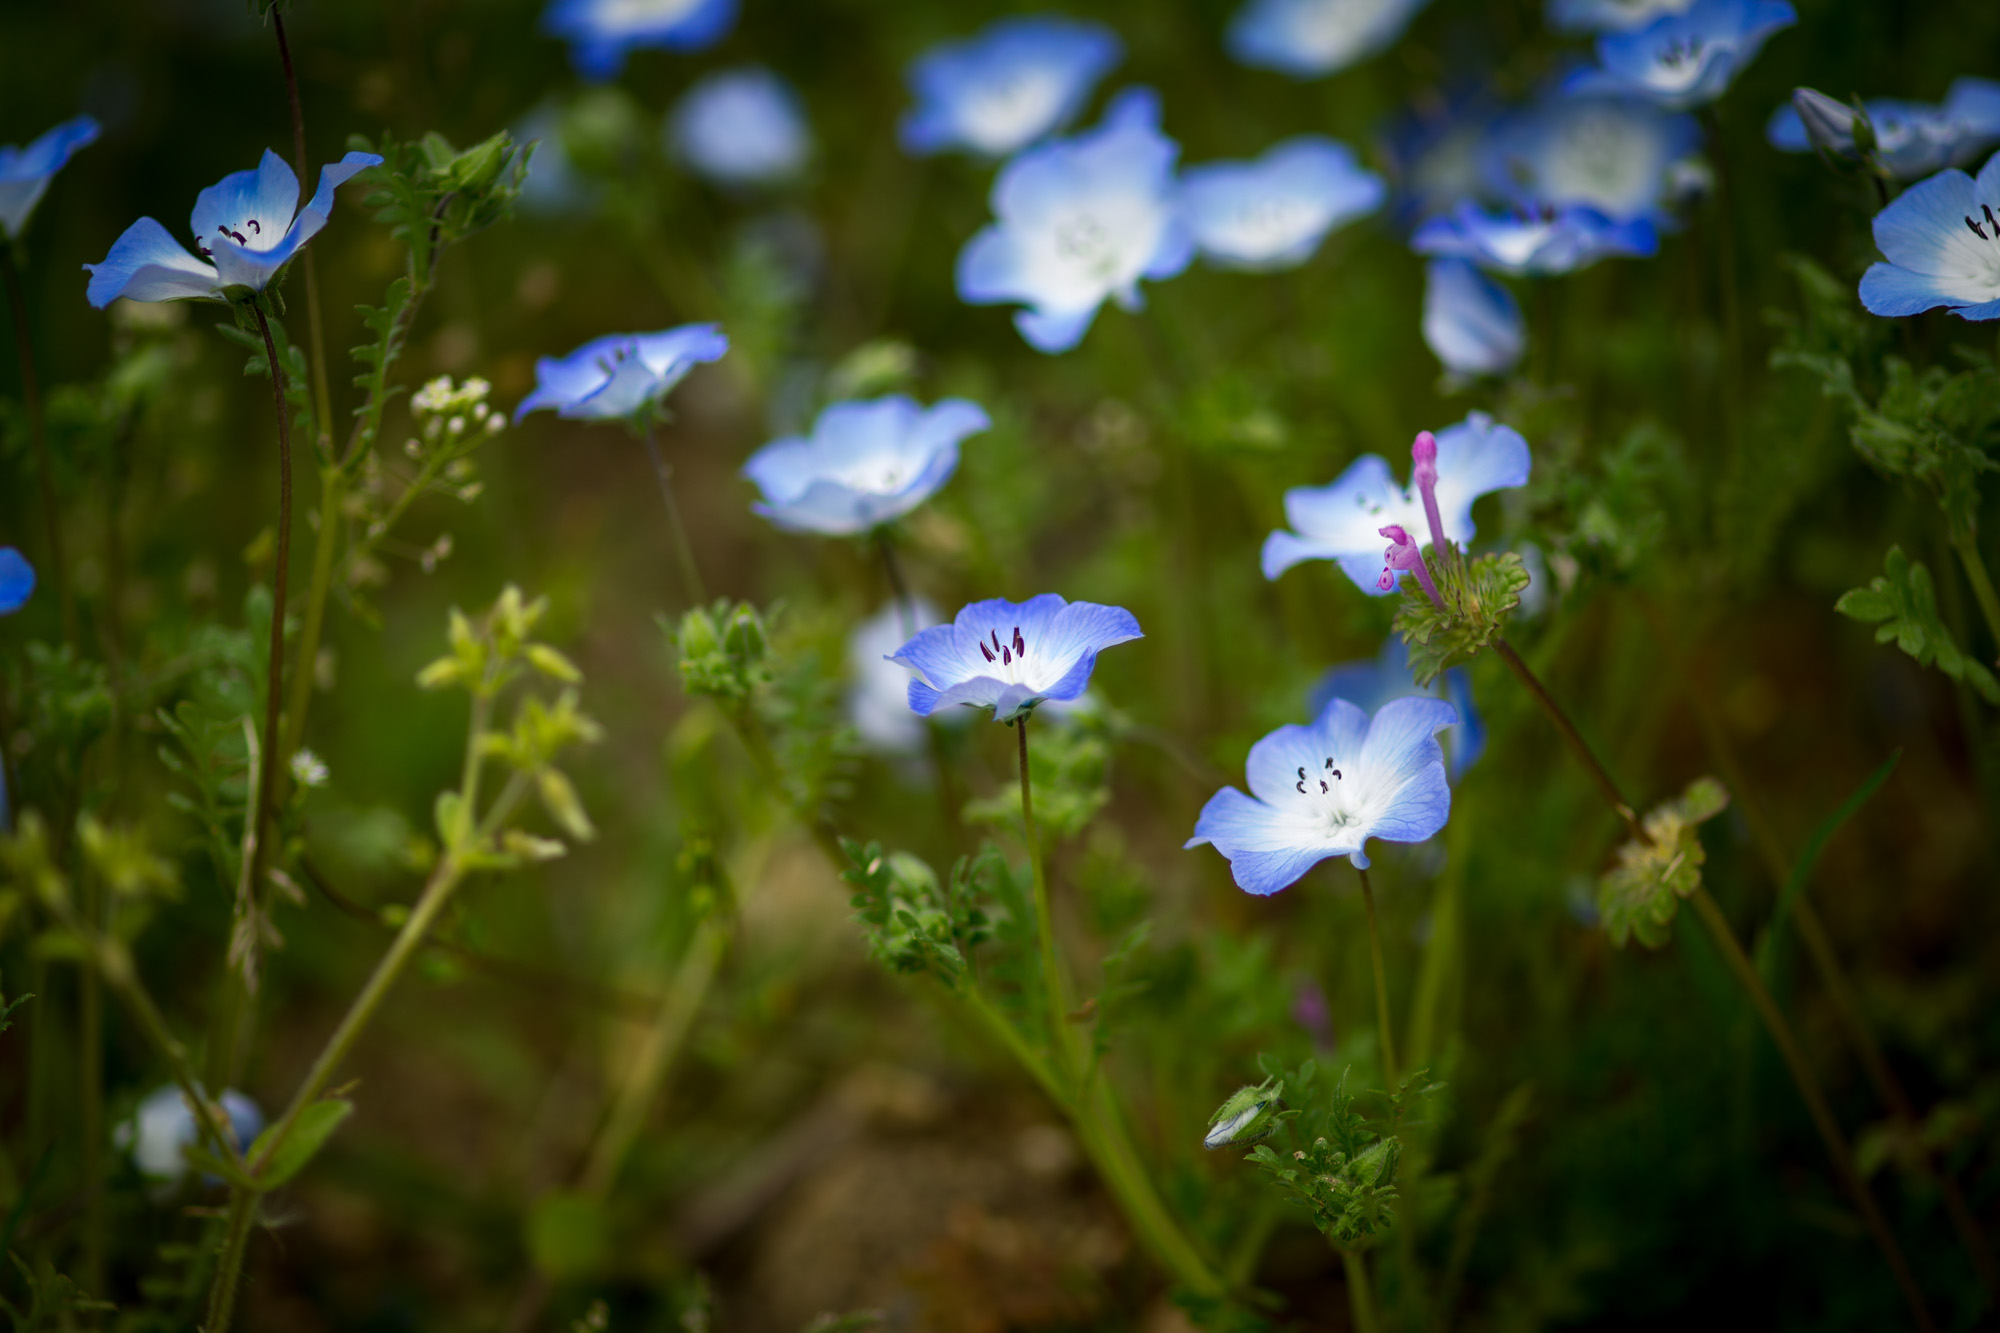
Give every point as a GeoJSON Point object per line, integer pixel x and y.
{"type": "Point", "coordinates": [1054, 330]}
{"type": "Point", "coordinates": [1263, 846]}
{"type": "Point", "coordinates": [148, 264]}
{"type": "Point", "coordinates": [1475, 457]}
{"type": "Point", "coordinates": [267, 194]}
{"type": "Point", "coordinates": [1273, 764]}
{"type": "Point", "coordinates": [25, 172]}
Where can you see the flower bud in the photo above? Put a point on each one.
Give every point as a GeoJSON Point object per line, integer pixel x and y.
{"type": "Point", "coordinates": [1832, 126]}
{"type": "Point", "coordinates": [1251, 1114]}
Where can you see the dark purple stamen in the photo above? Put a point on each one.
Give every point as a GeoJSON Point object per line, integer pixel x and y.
{"type": "Point", "coordinates": [1330, 768]}
{"type": "Point", "coordinates": [988, 651]}
{"type": "Point", "coordinates": [1975, 227]}
{"type": "Point", "coordinates": [996, 640]}
{"type": "Point", "coordinates": [1020, 644]}
{"type": "Point", "coordinates": [255, 229]}
{"type": "Point", "coordinates": [1006, 657]}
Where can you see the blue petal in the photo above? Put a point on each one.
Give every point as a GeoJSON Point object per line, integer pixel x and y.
{"type": "Point", "coordinates": [268, 194]}
{"type": "Point", "coordinates": [1471, 322]}
{"type": "Point", "coordinates": [1054, 331]}
{"type": "Point", "coordinates": [1468, 738]}
{"type": "Point", "coordinates": [1921, 227]}
{"type": "Point", "coordinates": [1475, 457]}
{"type": "Point", "coordinates": [742, 126]}
{"type": "Point", "coordinates": [17, 580]}
{"type": "Point", "coordinates": [25, 172]}
{"type": "Point", "coordinates": [1273, 763]}
{"type": "Point", "coordinates": [1308, 38]}
{"type": "Point", "coordinates": [1402, 754]}
{"type": "Point", "coordinates": [1894, 292]}
{"type": "Point", "coordinates": [148, 264]}
{"type": "Point", "coordinates": [1019, 80]}
{"type": "Point", "coordinates": [1262, 846]}
{"type": "Point", "coordinates": [1273, 212]}
{"type": "Point", "coordinates": [602, 32]}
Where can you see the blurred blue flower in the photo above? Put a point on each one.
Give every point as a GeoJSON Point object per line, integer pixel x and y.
{"type": "Point", "coordinates": [622, 375]}
{"type": "Point", "coordinates": [244, 223]}
{"type": "Point", "coordinates": [554, 187]}
{"type": "Point", "coordinates": [1324, 789]}
{"type": "Point", "coordinates": [1019, 80]}
{"type": "Point", "coordinates": [25, 172]}
{"type": "Point", "coordinates": [1471, 322]}
{"type": "Point", "coordinates": [162, 1126]}
{"type": "Point", "coordinates": [866, 463]}
{"type": "Point", "coordinates": [878, 690]}
{"type": "Point", "coordinates": [1942, 242]}
{"type": "Point", "coordinates": [1434, 150]}
{"type": "Point", "coordinates": [1610, 15]}
{"type": "Point", "coordinates": [601, 33]}
{"type": "Point", "coordinates": [1546, 241]}
{"type": "Point", "coordinates": [1343, 521]}
{"type": "Point", "coordinates": [1079, 220]}
{"type": "Point", "coordinates": [1912, 139]}
{"type": "Point", "coordinates": [741, 127]}
{"type": "Point", "coordinates": [1273, 212]}
{"type": "Point", "coordinates": [1011, 656]}
{"type": "Point", "coordinates": [1308, 38]}
{"type": "Point", "coordinates": [1611, 154]}
{"type": "Point", "coordinates": [17, 580]}
{"type": "Point", "coordinates": [1369, 685]}
{"type": "Point", "coordinates": [1684, 60]}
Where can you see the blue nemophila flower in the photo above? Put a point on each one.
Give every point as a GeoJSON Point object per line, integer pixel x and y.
{"type": "Point", "coordinates": [866, 463]}
{"type": "Point", "coordinates": [1371, 684]}
{"type": "Point", "coordinates": [1912, 139]}
{"type": "Point", "coordinates": [1325, 789]}
{"type": "Point", "coordinates": [163, 1125]}
{"type": "Point", "coordinates": [601, 33]}
{"type": "Point", "coordinates": [1012, 656]}
{"type": "Point", "coordinates": [1079, 220]}
{"type": "Point", "coordinates": [17, 580]}
{"type": "Point", "coordinates": [1684, 60]}
{"type": "Point", "coordinates": [1308, 38]}
{"type": "Point", "coordinates": [1471, 322]}
{"type": "Point", "coordinates": [622, 375]}
{"type": "Point", "coordinates": [1941, 239]}
{"type": "Point", "coordinates": [1344, 521]}
{"type": "Point", "coordinates": [25, 173]}
{"type": "Point", "coordinates": [1542, 242]}
{"type": "Point", "coordinates": [249, 224]}
{"type": "Point", "coordinates": [1019, 80]}
{"type": "Point", "coordinates": [1610, 15]}
{"type": "Point", "coordinates": [1273, 212]}
{"type": "Point", "coordinates": [741, 127]}
{"type": "Point", "coordinates": [1611, 154]}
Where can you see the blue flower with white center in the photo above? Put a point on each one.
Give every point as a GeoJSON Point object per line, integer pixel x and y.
{"type": "Point", "coordinates": [1274, 212]}
{"type": "Point", "coordinates": [1080, 220]}
{"type": "Point", "coordinates": [1543, 242]}
{"type": "Point", "coordinates": [17, 580]}
{"type": "Point", "coordinates": [1471, 322]}
{"type": "Point", "coordinates": [1308, 38]}
{"type": "Point", "coordinates": [878, 690]}
{"type": "Point", "coordinates": [1610, 15]}
{"type": "Point", "coordinates": [1684, 60]}
{"type": "Point", "coordinates": [741, 127]}
{"type": "Point", "coordinates": [1343, 521]}
{"type": "Point", "coordinates": [25, 173]}
{"type": "Point", "coordinates": [1610, 154]}
{"type": "Point", "coordinates": [163, 1125]}
{"type": "Point", "coordinates": [1912, 139]}
{"type": "Point", "coordinates": [601, 33]}
{"type": "Point", "coordinates": [1019, 80]}
{"type": "Point", "coordinates": [1325, 789]}
{"type": "Point", "coordinates": [621, 376]}
{"type": "Point", "coordinates": [866, 463]}
{"type": "Point", "coordinates": [1369, 685]}
{"type": "Point", "coordinates": [1012, 656]}
{"type": "Point", "coordinates": [1941, 239]}
{"type": "Point", "coordinates": [249, 224]}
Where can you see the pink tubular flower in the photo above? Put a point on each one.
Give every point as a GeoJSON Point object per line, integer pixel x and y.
{"type": "Point", "coordinates": [1406, 554]}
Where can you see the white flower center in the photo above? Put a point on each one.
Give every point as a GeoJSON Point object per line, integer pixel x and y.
{"type": "Point", "coordinates": [1680, 64]}
{"type": "Point", "coordinates": [1515, 243]}
{"type": "Point", "coordinates": [1334, 32]}
{"type": "Point", "coordinates": [1969, 262]}
{"type": "Point", "coordinates": [1082, 242]}
{"type": "Point", "coordinates": [258, 234]}
{"type": "Point", "coordinates": [1325, 800]}
{"type": "Point", "coordinates": [1007, 658]}
{"type": "Point", "coordinates": [637, 13]}
{"type": "Point", "coordinates": [1602, 158]}
{"type": "Point", "coordinates": [1011, 108]}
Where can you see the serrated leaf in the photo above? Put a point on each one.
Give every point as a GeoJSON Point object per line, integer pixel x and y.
{"type": "Point", "coordinates": [1639, 896]}
{"type": "Point", "coordinates": [1902, 604]}
{"type": "Point", "coordinates": [1478, 594]}
{"type": "Point", "coordinates": [310, 1132]}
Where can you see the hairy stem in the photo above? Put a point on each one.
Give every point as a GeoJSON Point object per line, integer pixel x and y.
{"type": "Point", "coordinates": [1578, 746]}
{"type": "Point", "coordinates": [1384, 1028]}
{"type": "Point", "coordinates": [691, 584]}
{"type": "Point", "coordinates": [1982, 584]}
{"type": "Point", "coordinates": [332, 492]}
{"type": "Point", "coordinates": [1045, 932]}
{"type": "Point", "coordinates": [1360, 1292]}
{"type": "Point", "coordinates": [229, 1269]}
{"type": "Point", "coordinates": [31, 400]}
{"type": "Point", "coordinates": [1808, 1085]}
{"type": "Point", "coordinates": [274, 694]}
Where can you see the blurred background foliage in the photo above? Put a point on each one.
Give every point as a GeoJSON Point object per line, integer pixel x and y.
{"type": "Point", "coordinates": [1615, 1127]}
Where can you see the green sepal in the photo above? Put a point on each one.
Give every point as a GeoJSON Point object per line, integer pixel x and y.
{"type": "Point", "coordinates": [1478, 593]}
{"type": "Point", "coordinates": [1639, 896]}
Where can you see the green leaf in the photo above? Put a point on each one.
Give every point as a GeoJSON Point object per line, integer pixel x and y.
{"type": "Point", "coordinates": [226, 1169]}
{"type": "Point", "coordinates": [1808, 857]}
{"type": "Point", "coordinates": [309, 1134]}
{"type": "Point", "coordinates": [1902, 604]}
{"type": "Point", "coordinates": [1477, 595]}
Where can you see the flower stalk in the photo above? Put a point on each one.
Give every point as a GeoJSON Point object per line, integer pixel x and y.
{"type": "Point", "coordinates": [1385, 1029]}
{"type": "Point", "coordinates": [691, 585]}
{"type": "Point", "coordinates": [274, 694]}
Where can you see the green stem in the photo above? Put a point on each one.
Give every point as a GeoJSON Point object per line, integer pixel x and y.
{"type": "Point", "coordinates": [1982, 584]}
{"type": "Point", "coordinates": [1578, 746]}
{"type": "Point", "coordinates": [332, 494]}
{"type": "Point", "coordinates": [90, 1120]}
{"type": "Point", "coordinates": [275, 692]}
{"type": "Point", "coordinates": [691, 584]}
{"type": "Point", "coordinates": [656, 1055]}
{"type": "Point", "coordinates": [1045, 932]}
{"type": "Point", "coordinates": [31, 400]}
{"type": "Point", "coordinates": [229, 1269]}
{"type": "Point", "coordinates": [1822, 1115]}
{"type": "Point", "coordinates": [1384, 1027]}
{"type": "Point", "coordinates": [1360, 1293]}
